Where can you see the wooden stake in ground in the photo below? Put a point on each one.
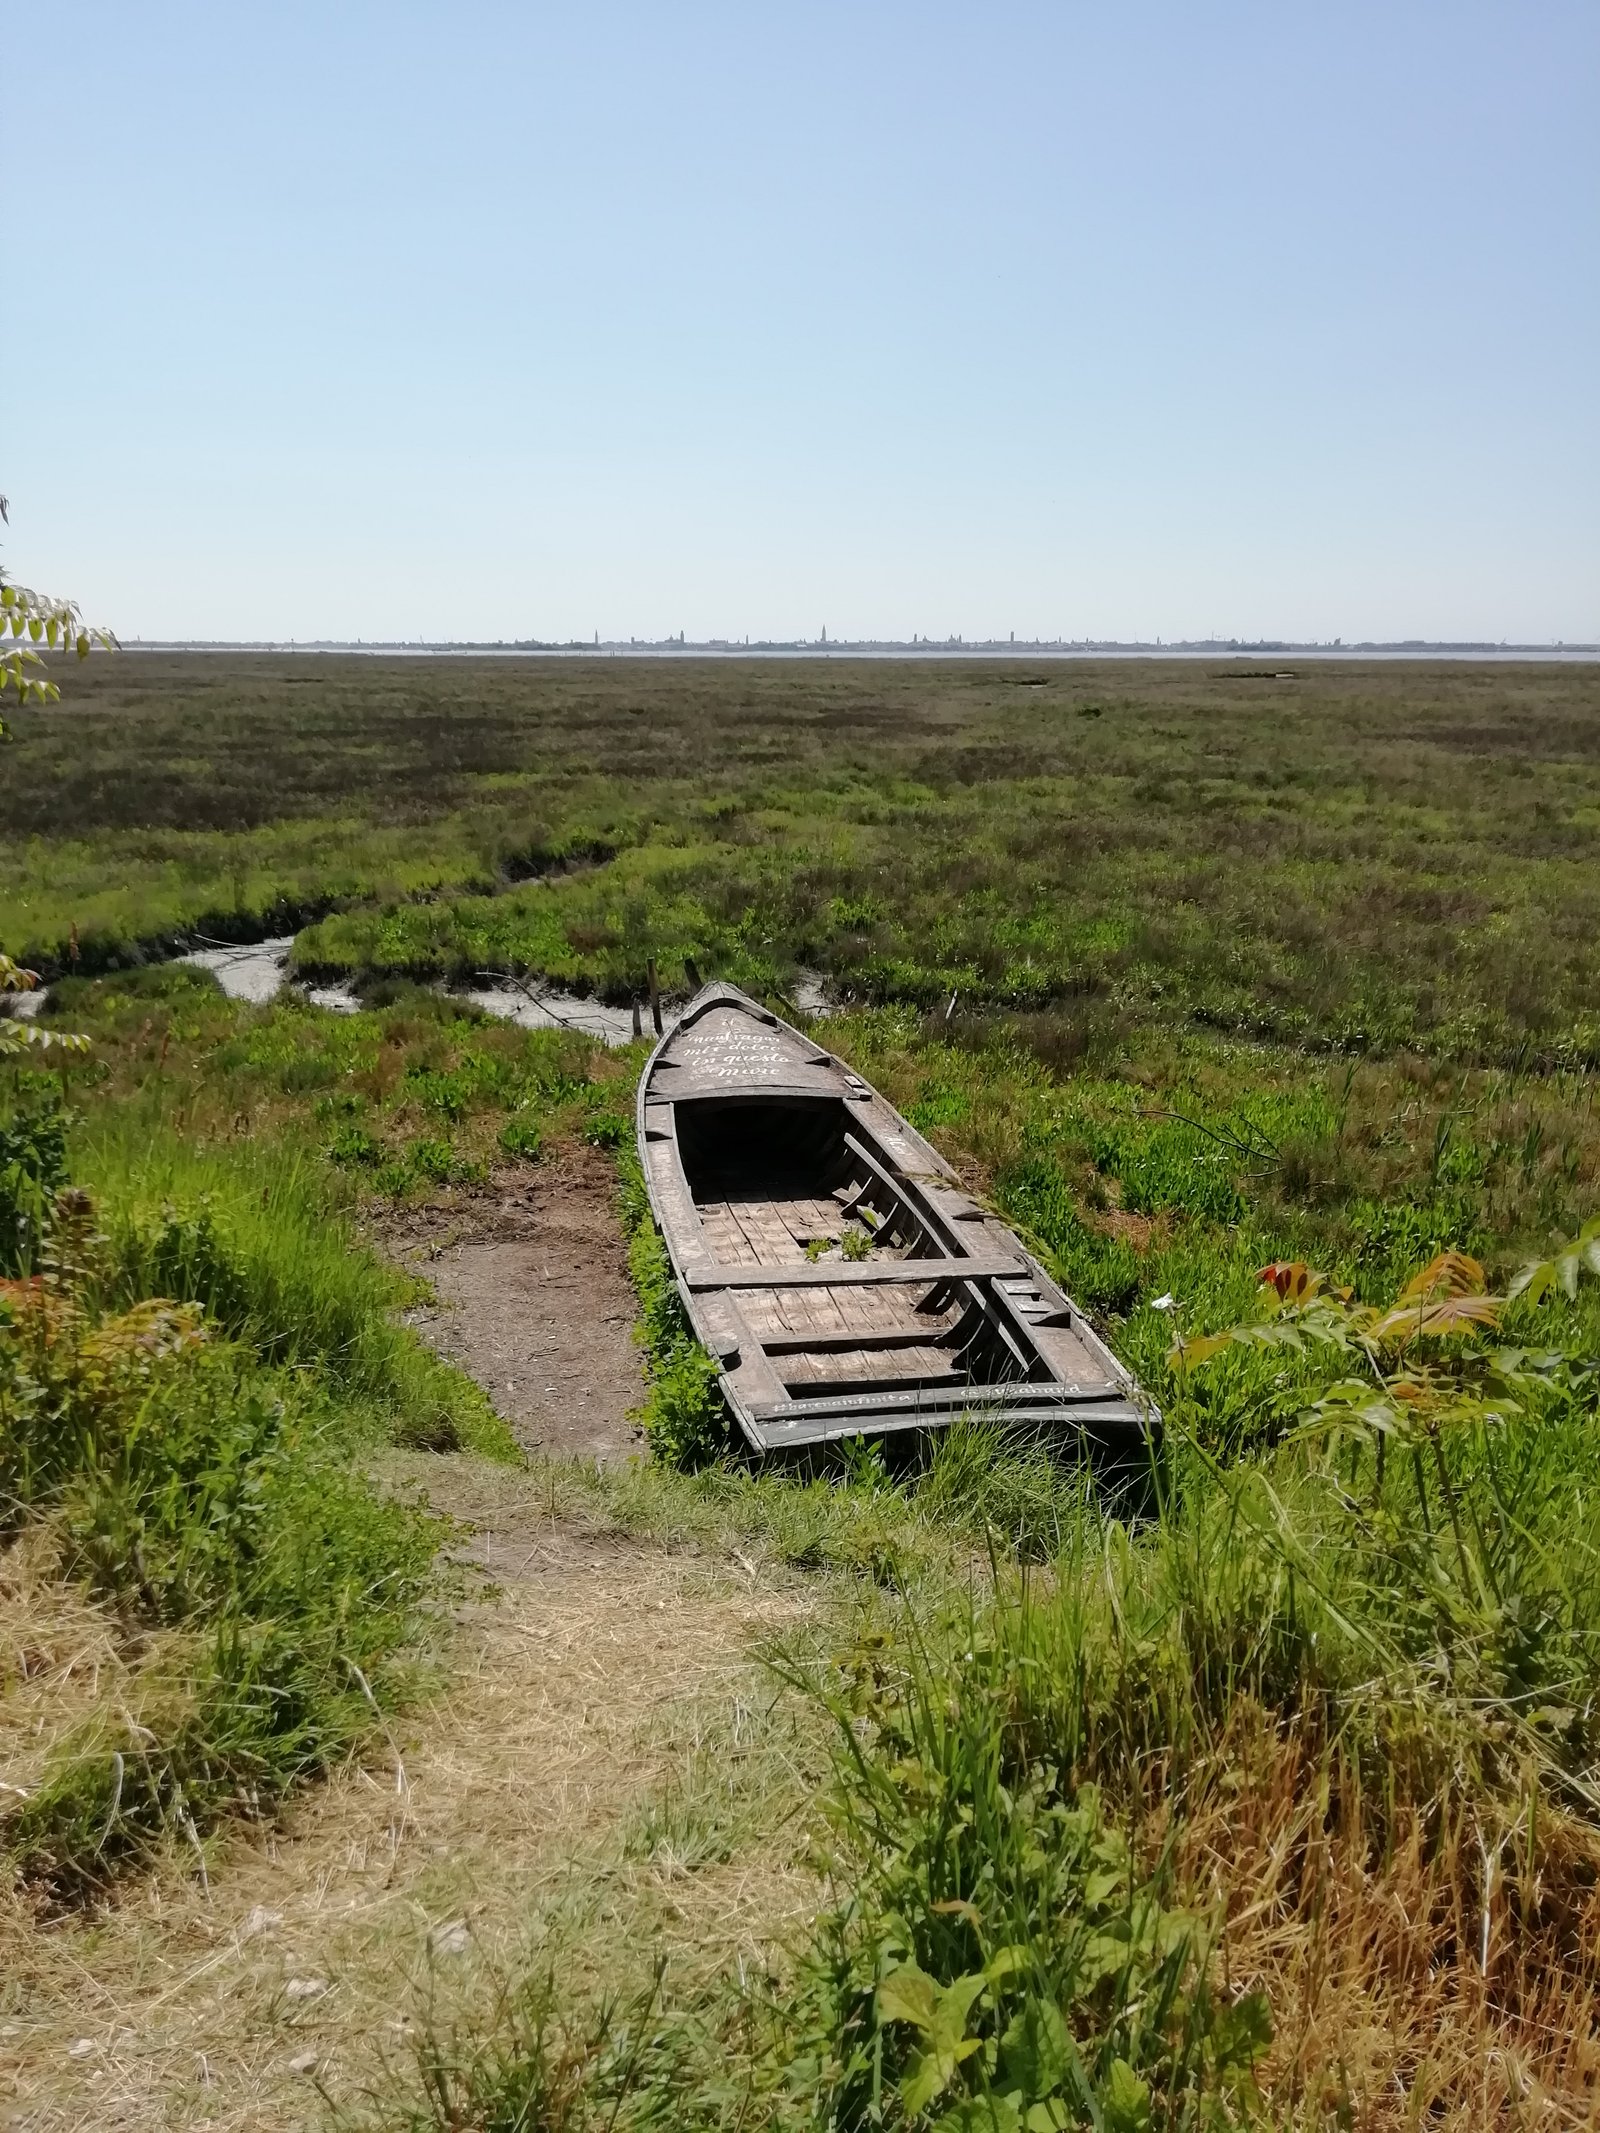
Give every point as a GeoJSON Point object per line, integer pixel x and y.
{"type": "Point", "coordinates": [655, 995]}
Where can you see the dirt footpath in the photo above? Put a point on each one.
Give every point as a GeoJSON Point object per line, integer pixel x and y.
{"type": "Point", "coordinates": [607, 1772]}
{"type": "Point", "coordinates": [603, 1774]}
{"type": "Point", "coordinates": [534, 1301]}
{"type": "Point", "coordinates": [602, 1770]}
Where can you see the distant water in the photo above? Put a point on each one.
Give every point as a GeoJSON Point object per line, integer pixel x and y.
{"type": "Point", "coordinates": [260, 971]}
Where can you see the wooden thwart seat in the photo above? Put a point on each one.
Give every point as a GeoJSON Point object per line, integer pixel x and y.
{"type": "Point", "coordinates": [849, 1273]}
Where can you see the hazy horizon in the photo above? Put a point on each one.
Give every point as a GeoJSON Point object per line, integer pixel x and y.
{"type": "Point", "coordinates": [888, 647]}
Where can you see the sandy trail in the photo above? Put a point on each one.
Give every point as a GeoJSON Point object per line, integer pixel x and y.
{"type": "Point", "coordinates": [604, 1764]}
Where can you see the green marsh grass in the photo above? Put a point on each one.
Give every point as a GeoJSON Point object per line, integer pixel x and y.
{"type": "Point", "coordinates": [1230, 972]}
{"type": "Point", "coordinates": [1360, 856]}
{"type": "Point", "coordinates": [254, 1234]}
{"type": "Point", "coordinates": [267, 1604]}
{"type": "Point", "coordinates": [195, 1463]}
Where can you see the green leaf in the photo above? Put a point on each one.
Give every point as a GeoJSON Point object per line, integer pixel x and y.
{"type": "Point", "coordinates": [955, 2004]}
{"type": "Point", "coordinates": [1126, 2102]}
{"type": "Point", "coordinates": [1007, 1961]}
{"type": "Point", "coordinates": [1242, 2032]}
{"type": "Point", "coordinates": [1036, 2050]}
{"type": "Point", "coordinates": [908, 1995]}
{"type": "Point", "coordinates": [940, 2012]}
{"type": "Point", "coordinates": [1105, 1954]}
{"type": "Point", "coordinates": [982, 2114]}
{"type": "Point", "coordinates": [927, 2076]}
{"type": "Point", "coordinates": [1050, 2116]}
{"type": "Point", "coordinates": [1536, 1280]}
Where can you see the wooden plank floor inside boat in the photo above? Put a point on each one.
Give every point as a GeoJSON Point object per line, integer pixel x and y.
{"type": "Point", "coordinates": [900, 1340]}
{"type": "Point", "coordinates": [830, 1260]}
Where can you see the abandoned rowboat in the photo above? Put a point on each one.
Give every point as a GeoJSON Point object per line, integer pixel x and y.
{"type": "Point", "coordinates": [829, 1260]}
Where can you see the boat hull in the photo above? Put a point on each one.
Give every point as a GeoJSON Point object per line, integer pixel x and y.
{"type": "Point", "coordinates": [832, 1263]}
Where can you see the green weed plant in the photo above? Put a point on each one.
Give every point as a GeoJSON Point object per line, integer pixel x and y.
{"type": "Point", "coordinates": [191, 1491]}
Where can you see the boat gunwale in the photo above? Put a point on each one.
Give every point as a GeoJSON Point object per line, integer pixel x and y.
{"type": "Point", "coordinates": [1116, 1407]}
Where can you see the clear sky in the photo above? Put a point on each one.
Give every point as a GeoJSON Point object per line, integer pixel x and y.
{"type": "Point", "coordinates": [1111, 320]}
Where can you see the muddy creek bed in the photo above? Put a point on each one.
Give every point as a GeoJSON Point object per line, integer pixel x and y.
{"type": "Point", "coordinates": [830, 1261]}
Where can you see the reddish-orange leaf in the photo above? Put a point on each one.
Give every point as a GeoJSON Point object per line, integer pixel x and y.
{"type": "Point", "coordinates": [1446, 1314]}
{"type": "Point", "coordinates": [1292, 1279]}
{"type": "Point", "coordinates": [1456, 1273]}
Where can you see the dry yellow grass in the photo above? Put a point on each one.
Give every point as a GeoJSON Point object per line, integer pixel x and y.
{"type": "Point", "coordinates": [606, 1777]}
{"type": "Point", "coordinates": [60, 1658]}
{"type": "Point", "coordinates": [603, 1774]}
{"type": "Point", "coordinates": [1438, 1984]}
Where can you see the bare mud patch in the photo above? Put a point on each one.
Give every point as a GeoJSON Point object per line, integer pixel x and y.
{"type": "Point", "coordinates": [534, 1301]}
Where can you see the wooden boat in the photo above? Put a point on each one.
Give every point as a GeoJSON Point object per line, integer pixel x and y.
{"type": "Point", "coordinates": [830, 1261]}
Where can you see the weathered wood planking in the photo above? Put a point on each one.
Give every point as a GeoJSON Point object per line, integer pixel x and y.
{"type": "Point", "coordinates": [829, 1259]}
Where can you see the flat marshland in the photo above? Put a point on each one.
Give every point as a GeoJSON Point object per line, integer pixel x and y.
{"type": "Point", "coordinates": [363, 1755]}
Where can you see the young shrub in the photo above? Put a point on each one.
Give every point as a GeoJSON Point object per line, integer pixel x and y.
{"type": "Point", "coordinates": [522, 1137]}
{"type": "Point", "coordinates": [353, 1147]}
{"type": "Point", "coordinates": [433, 1160]}
{"type": "Point", "coordinates": [193, 1494]}
{"type": "Point", "coordinates": [604, 1129]}
{"type": "Point", "coordinates": [33, 1168]}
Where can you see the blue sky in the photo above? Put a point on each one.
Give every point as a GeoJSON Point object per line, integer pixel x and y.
{"type": "Point", "coordinates": [417, 320]}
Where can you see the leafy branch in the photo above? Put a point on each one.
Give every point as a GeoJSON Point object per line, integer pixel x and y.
{"type": "Point", "coordinates": [1401, 1383]}
{"type": "Point", "coordinates": [17, 1037]}
{"type": "Point", "coordinates": [29, 619]}
{"type": "Point", "coordinates": [1540, 1277]}
{"type": "Point", "coordinates": [1254, 1144]}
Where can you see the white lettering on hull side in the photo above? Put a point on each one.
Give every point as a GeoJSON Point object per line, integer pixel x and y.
{"type": "Point", "coordinates": [729, 1047]}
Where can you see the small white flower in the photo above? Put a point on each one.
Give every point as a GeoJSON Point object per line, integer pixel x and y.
{"type": "Point", "coordinates": [1165, 1303]}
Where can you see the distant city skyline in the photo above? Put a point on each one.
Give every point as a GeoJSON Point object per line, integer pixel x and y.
{"type": "Point", "coordinates": [913, 647]}
{"type": "Point", "coordinates": [545, 321]}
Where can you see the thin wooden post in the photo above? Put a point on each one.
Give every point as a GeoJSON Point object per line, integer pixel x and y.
{"type": "Point", "coordinates": [638, 1026]}
{"type": "Point", "coordinates": [655, 995]}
